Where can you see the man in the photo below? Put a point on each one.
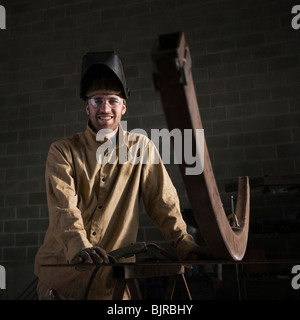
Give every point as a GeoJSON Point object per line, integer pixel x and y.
{"type": "Point", "coordinates": [94, 205]}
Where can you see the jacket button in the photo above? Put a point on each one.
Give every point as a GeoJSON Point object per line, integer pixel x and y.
{"type": "Point", "coordinates": [100, 207]}
{"type": "Point", "coordinates": [94, 233]}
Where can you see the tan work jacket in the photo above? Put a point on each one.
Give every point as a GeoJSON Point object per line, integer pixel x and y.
{"type": "Point", "coordinates": [97, 204]}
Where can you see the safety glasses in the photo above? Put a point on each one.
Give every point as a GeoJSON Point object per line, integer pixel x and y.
{"type": "Point", "coordinates": [99, 101]}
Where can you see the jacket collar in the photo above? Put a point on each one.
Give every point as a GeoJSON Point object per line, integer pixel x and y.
{"type": "Point", "coordinates": [121, 141]}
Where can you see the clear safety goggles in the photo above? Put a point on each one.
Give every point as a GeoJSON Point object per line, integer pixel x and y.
{"type": "Point", "coordinates": [100, 101]}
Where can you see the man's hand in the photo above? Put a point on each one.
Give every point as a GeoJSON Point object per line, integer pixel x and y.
{"type": "Point", "coordinates": [89, 256]}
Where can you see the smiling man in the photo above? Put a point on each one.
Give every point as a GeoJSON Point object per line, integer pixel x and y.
{"type": "Point", "coordinates": [94, 207]}
{"type": "Point", "coordinates": [104, 93]}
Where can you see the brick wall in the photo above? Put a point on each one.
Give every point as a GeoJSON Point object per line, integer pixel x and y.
{"type": "Point", "coordinates": [246, 71]}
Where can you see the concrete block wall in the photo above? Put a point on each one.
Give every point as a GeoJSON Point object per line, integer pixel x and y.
{"type": "Point", "coordinates": [246, 71]}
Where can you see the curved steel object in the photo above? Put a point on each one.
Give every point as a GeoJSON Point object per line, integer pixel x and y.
{"type": "Point", "coordinates": [173, 79]}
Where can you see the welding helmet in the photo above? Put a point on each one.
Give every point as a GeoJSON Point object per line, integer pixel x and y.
{"type": "Point", "coordinates": [102, 73]}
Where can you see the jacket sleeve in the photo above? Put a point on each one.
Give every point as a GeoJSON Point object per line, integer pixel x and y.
{"type": "Point", "coordinates": [65, 220]}
{"type": "Point", "coordinates": [162, 204]}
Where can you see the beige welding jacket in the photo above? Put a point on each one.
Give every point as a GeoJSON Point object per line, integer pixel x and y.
{"type": "Point", "coordinates": [96, 203]}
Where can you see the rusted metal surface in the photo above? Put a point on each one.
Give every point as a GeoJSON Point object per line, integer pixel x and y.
{"type": "Point", "coordinates": [172, 76]}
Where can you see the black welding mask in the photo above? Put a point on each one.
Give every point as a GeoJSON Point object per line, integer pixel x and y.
{"type": "Point", "coordinates": [102, 72]}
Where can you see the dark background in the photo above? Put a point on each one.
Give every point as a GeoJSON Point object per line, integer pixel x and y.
{"type": "Point", "coordinates": [246, 69]}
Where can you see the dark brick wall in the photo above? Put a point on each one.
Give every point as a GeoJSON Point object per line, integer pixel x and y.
{"type": "Point", "coordinates": [246, 71]}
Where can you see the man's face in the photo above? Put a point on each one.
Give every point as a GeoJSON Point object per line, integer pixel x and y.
{"type": "Point", "coordinates": [105, 111]}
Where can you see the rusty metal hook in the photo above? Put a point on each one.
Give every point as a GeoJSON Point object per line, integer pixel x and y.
{"type": "Point", "coordinates": [180, 105]}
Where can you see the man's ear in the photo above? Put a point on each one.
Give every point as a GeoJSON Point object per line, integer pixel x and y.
{"type": "Point", "coordinates": [87, 109]}
{"type": "Point", "coordinates": [123, 109]}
